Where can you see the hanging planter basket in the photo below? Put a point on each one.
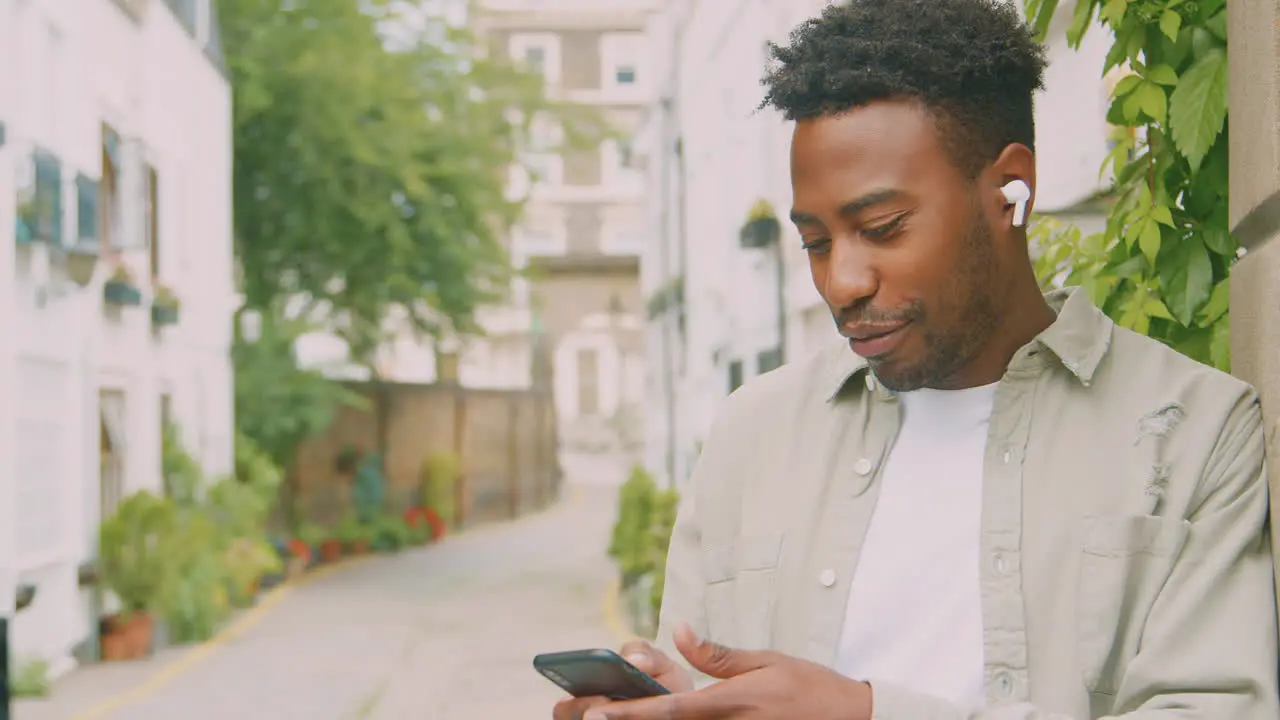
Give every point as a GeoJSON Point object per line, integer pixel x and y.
{"type": "Point", "coordinates": [164, 306]}
{"type": "Point", "coordinates": [121, 293]}
{"type": "Point", "coordinates": [162, 315]}
{"type": "Point", "coordinates": [760, 233]}
{"type": "Point", "coordinates": [762, 228]}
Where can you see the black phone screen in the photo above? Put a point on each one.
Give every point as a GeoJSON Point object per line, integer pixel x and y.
{"type": "Point", "coordinates": [589, 673]}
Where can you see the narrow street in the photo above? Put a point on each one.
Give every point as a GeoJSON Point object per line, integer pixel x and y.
{"type": "Point", "coordinates": [445, 632]}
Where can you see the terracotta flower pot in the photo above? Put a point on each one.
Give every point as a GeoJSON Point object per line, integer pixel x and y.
{"type": "Point", "coordinates": [330, 551]}
{"type": "Point", "coordinates": [127, 636]}
{"type": "Point", "coordinates": [140, 629]}
{"type": "Point", "coordinates": [359, 547]}
{"type": "Point", "coordinates": [114, 646]}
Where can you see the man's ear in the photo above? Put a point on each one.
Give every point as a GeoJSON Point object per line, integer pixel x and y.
{"type": "Point", "coordinates": [1012, 181]}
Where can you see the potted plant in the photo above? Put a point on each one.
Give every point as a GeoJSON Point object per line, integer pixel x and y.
{"type": "Point", "coordinates": [131, 547]}
{"type": "Point", "coordinates": [312, 536]}
{"type": "Point", "coordinates": [120, 289]}
{"type": "Point", "coordinates": [247, 560]}
{"type": "Point", "coordinates": [762, 228]}
{"type": "Point", "coordinates": [390, 534]}
{"type": "Point", "coordinates": [439, 487]}
{"type": "Point", "coordinates": [418, 525]}
{"type": "Point", "coordinates": [164, 306]}
{"type": "Point", "coordinates": [353, 535]}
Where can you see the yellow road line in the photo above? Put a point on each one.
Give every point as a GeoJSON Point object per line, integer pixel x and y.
{"type": "Point", "coordinates": [245, 622]}
{"type": "Point", "coordinates": [613, 615]}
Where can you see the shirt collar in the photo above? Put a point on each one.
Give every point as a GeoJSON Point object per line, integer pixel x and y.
{"type": "Point", "coordinates": [1079, 338]}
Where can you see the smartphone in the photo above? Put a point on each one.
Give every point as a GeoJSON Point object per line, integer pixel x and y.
{"type": "Point", "coordinates": [590, 673]}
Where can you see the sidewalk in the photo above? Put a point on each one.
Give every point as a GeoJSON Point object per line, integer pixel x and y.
{"type": "Point", "coordinates": [444, 632]}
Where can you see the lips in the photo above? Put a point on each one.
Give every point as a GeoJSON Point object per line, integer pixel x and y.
{"type": "Point", "coordinates": [872, 342]}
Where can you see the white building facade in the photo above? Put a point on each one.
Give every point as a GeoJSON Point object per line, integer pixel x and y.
{"type": "Point", "coordinates": [115, 192]}
{"type": "Point", "coordinates": [714, 320]}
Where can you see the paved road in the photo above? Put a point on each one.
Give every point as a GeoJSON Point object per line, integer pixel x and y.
{"type": "Point", "coordinates": [440, 633]}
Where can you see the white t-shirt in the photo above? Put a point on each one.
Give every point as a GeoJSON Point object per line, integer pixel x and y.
{"type": "Point", "coordinates": [914, 616]}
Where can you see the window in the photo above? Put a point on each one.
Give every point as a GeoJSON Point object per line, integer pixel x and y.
{"type": "Point", "coordinates": [166, 426]}
{"type": "Point", "coordinates": [621, 55]}
{"type": "Point", "coordinates": [768, 360]}
{"type": "Point", "coordinates": [535, 58]}
{"type": "Point", "coordinates": [86, 210]}
{"type": "Point", "coordinates": [539, 52]}
{"type": "Point", "coordinates": [735, 375]}
{"type": "Point", "coordinates": [187, 13]}
{"type": "Point", "coordinates": [111, 448]}
{"type": "Point", "coordinates": [151, 218]}
{"type": "Point", "coordinates": [46, 214]}
{"type": "Point", "coordinates": [108, 190]}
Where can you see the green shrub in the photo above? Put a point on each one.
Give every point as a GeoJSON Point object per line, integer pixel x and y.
{"type": "Point", "coordinates": [439, 485]}
{"type": "Point", "coordinates": [31, 680]}
{"type": "Point", "coordinates": [632, 543]}
{"type": "Point", "coordinates": [665, 505]}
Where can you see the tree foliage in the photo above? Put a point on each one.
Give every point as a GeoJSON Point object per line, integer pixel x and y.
{"type": "Point", "coordinates": [279, 405]}
{"type": "Point", "coordinates": [371, 157]}
{"type": "Point", "coordinates": [1161, 265]}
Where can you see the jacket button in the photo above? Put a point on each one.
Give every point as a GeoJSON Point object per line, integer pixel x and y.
{"type": "Point", "coordinates": [863, 466]}
{"type": "Point", "coordinates": [827, 578]}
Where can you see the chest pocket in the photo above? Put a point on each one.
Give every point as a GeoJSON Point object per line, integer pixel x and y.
{"type": "Point", "coordinates": [1125, 562]}
{"type": "Point", "coordinates": [741, 590]}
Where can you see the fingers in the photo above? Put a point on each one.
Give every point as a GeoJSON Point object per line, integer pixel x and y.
{"type": "Point", "coordinates": [716, 660]}
{"type": "Point", "coordinates": [646, 657]}
{"type": "Point", "coordinates": [576, 708]}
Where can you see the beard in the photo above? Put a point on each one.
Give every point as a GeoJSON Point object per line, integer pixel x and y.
{"type": "Point", "coordinates": [963, 333]}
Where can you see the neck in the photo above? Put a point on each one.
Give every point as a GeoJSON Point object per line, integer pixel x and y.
{"type": "Point", "coordinates": [1026, 316]}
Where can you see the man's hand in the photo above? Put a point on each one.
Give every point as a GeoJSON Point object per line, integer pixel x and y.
{"type": "Point", "coordinates": [645, 657]}
{"type": "Point", "coordinates": [756, 685]}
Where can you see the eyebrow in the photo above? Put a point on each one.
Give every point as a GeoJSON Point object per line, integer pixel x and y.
{"type": "Point", "coordinates": [852, 207]}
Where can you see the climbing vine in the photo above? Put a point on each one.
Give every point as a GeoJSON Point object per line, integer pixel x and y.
{"type": "Point", "coordinates": [1161, 265]}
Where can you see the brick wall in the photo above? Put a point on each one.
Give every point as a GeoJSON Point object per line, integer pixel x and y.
{"type": "Point", "coordinates": [506, 441]}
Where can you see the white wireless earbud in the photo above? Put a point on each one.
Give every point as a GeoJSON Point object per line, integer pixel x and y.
{"type": "Point", "coordinates": [1017, 193]}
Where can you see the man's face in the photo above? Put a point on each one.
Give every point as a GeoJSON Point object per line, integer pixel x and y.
{"type": "Point", "coordinates": [899, 246]}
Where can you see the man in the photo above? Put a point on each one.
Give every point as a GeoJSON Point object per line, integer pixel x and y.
{"type": "Point", "coordinates": [999, 505]}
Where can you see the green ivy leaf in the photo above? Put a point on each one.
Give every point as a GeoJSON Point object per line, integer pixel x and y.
{"type": "Point", "coordinates": [1219, 303]}
{"type": "Point", "coordinates": [1081, 19]}
{"type": "Point", "coordinates": [1220, 345]}
{"type": "Point", "coordinates": [1156, 309]}
{"type": "Point", "coordinates": [1161, 74]}
{"type": "Point", "coordinates": [1186, 277]}
{"type": "Point", "coordinates": [1219, 241]}
{"type": "Point", "coordinates": [1218, 26]}
{"type": "Point", "coordinates": [1198, 107]}
{"type": "Point", "coordinates": [1171, 23]}
{"type": "Point", "coordinates": [1113, 11]}
{"type": "Point", "coordinates": [1149, 239]}
{"type": "Point", "coordinates": [1154, 102]}
{"type": "Point", "coordinates": [1162, 215]}
{"type": "Point", "coordinates": [1129, 83]}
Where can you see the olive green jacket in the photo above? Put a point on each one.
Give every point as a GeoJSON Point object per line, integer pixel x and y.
{"type": "Point", "coordinates": [1126, 567]}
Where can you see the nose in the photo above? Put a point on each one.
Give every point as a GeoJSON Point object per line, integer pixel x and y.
{"type": "Point", "coordinates": [851, 276]}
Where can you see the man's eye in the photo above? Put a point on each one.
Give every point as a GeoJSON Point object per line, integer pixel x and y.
{"type": "Point", "coordinates": [885, 230]}
{"type": "Point", "coordinates": [818, 246]}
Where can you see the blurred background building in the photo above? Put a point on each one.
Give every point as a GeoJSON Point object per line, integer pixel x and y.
{"type": "Point", "coordinates": [115, 201]}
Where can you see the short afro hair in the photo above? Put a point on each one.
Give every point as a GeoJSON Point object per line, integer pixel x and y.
{"type": "Point", "coordinates": [973, 64]}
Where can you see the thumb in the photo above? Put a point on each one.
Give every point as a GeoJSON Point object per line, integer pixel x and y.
{"type": "Point", "coordinates": [718, 661]}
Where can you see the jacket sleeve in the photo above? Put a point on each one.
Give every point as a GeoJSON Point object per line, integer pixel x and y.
{"type": "Point", "coordinates": [1209, 647]}
{"type": "Point", "coordinates": [683, 597]}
